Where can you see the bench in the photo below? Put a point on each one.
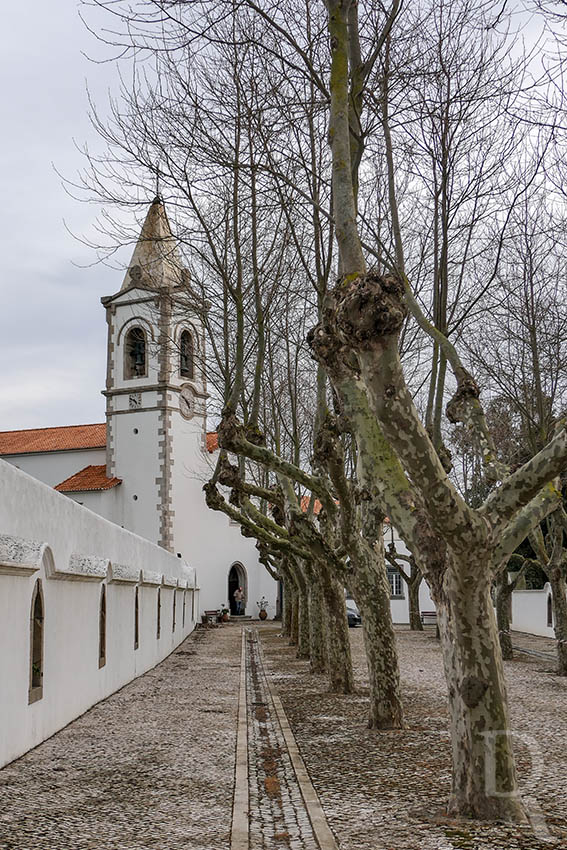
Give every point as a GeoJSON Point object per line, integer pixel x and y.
{"type": "Point", "coordinates": [429, 618]}
{"type": "Point", "coordinates": [211, 616]}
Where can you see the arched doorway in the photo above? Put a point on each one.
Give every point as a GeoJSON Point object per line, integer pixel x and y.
{"type": "Point", "coordinates": [237, 578]}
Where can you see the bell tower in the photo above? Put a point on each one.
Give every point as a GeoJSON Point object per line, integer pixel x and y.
{"type": "Point", "coordinates": [155, 388]}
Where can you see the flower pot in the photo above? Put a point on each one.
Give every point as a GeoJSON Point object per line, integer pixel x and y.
{"type": "Point", "coordinates": [225, 618]}
{"type": "Point", "coordinates": [263, 614]}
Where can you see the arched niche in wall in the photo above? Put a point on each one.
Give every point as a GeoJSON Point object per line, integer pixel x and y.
{"type": "Point", "coordinates": [158, 620]}
{"type": "Point", "coordinates": [102, 627]}
{"type": "Point", "coordinates": [37, 621]}
{"type": "Point", "coordinates": [137, 618]}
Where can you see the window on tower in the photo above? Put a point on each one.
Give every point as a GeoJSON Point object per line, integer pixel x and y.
{"type": "Point", "coordinates": [186, 355]}
{"type": "Point", "coordinates": [135, 353]}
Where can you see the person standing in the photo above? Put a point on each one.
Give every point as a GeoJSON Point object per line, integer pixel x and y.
{"type": "Point", "coordinates": [238, 598]}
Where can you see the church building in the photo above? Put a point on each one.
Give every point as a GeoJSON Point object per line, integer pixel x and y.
{"type": "Point", "coordinates": [144, 468]}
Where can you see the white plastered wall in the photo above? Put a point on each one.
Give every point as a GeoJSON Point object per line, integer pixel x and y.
{"type": "Point", "coordinates": [44, 535]}
{"type": "Point", "coordinates": [529, 611]}
{"type": "Point", "coordinates": [207, 537]}
{"type": "Point", "coordinates": [54, 467]}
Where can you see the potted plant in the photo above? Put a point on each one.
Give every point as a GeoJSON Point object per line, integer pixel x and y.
{"type": "Point", "coordinates": [263, 606]}
{"type": "Point", "coordinates": [224, 613]}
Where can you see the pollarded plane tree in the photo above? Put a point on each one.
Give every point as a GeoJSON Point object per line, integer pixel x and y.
{"type": "Point", "coordinates": [457, 548]}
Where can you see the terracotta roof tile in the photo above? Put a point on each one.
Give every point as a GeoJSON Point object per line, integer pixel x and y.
{"type": "Point", "coordinates": [89, 478]}
{"type": "Point", "coordinates": [305, 505]}
{"type": "Point", "coordinates": [212, 441]}
{"type": "Point", "coordinates": [65, 438]}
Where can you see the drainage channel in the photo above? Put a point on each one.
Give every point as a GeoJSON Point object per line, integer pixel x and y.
{"type": "Point", "coordinates": [284, 812]}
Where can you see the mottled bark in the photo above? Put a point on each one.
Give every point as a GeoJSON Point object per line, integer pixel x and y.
{"type": "Point", "coordinates": [372, 592]}
{"type": "Point", "coordinates": [286, 608]}
{"type": "Point", "coordinates": [484, 776]}
{"type": "Point", "coordinates": [317, 632]}
{"type": "Point", "coordinates": [559, 591]}
{"type": "Point", "coordinates": [338, 643]}
{"type": "Point", "coordinates": [303, 628]}
{"type": "Point", "coordinates": [351, 258]}
{"type": "Point", "coordinates": [361, 536]}
{"type": "Point", "coordinates": [413, 598]}
{"type": "Point", "coordinates": [294, 624]}
{"type": "Point", "coordinates": [503, 593]}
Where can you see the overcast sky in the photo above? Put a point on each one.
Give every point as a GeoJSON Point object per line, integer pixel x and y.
{"type": "Point", "coordinates": [52, 325]}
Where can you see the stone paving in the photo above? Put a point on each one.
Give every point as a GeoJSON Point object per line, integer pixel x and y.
{"type": "Point", "coordinates": [150, 767]}
{"type": "Point", "coordinates": [387, 790]}
{"type": "Point", "coordinates": [278, 818]}
{"type": "Point", "coordinates": [153, 765]}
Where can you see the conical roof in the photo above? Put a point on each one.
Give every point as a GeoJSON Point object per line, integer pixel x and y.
{"type": "Point", "coordinates": [156, 262]}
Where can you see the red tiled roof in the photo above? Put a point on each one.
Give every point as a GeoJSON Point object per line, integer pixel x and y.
{"type": "Point", "coordinates": [305, 505]}
{"type": "Point", "coordinates": [89, 478]}
{"type": "Point", "coordinates": [65, 438]}
{"type": "Point", "coordinates": [212, 441]}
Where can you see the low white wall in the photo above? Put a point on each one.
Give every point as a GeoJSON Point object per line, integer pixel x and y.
{"type": "Point", "coordinates": [530, 611]}
{"type": "Point", "coordinates": [73, 552]}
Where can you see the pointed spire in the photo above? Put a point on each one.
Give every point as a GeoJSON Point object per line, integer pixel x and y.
{"type": "Point", "coordinates": [156, 262]}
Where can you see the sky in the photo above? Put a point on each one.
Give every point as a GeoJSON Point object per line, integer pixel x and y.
{"type": "Point", "coordinates": [52, 325]}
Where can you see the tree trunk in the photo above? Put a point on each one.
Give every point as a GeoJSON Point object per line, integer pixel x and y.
{"type": "Point", "coordinates": [503, 600]}
{"type": "Point", "coordinates": [484, 775]}
{"type": "Point", "coordinates": [338, 643]}
{"type": "Point", "coordinates": [286, 608]}
{"type": "Point", "coordinates": [372, 593]}
{"type": "Point", "coordinates": [317, 631]}
{"type": "Point", "coordinates": [559, 591]}
{"type": "Point", "coordinates": [413, 598]}
{"type": "Point", "coordinates": [294, 624]}
{"type": "Point", "coordinates": [303, 624]}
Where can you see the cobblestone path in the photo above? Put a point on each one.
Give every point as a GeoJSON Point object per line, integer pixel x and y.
{"type": "Point", "coordinates": [278, 817]}
{"type": "Point", "coordinates": [150, 768]}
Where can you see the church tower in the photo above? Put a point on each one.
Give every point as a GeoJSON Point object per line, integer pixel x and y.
{"type": "Point", "coordinates": [156, 390]}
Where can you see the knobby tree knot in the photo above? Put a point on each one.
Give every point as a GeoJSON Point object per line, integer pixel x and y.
{"type": "Point", "coordinates": [467, 390]}
{"type": "Point", "coordinates": [368, 308]}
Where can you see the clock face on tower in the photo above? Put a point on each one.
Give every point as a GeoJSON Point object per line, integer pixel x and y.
{"type": "Point", "coordinates": [134, 400]}
{"type": "Point", "coordinates": [187, 402]}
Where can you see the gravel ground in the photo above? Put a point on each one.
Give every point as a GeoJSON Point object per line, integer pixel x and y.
{"type": "Point", "coordinates": [150, 767]}
{"type": "Point", "coordinates": [387, 790]}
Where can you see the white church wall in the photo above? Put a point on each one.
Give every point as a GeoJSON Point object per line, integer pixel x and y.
{"type": "Point", "coordinates": [74, 553]}
{"type": "Point", "coordinates": [207, 537]}
{"type": "Point", "coordinates": [54, 467]}
{"type": "Point", "coordinates": [530, 611]}
{"type": "Point", "coordinates": [105, 503]}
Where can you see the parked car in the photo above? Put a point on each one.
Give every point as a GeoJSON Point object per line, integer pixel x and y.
{"type": "Point", "coordinates": [353, 614]}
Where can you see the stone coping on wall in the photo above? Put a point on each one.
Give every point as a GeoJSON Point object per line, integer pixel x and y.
{"type": "Point", "coordinates": [19, 557]}
{"type": "Point", "coordinates": [122, 573]}
{"type": "Point", "coordinates": [23, 557]}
